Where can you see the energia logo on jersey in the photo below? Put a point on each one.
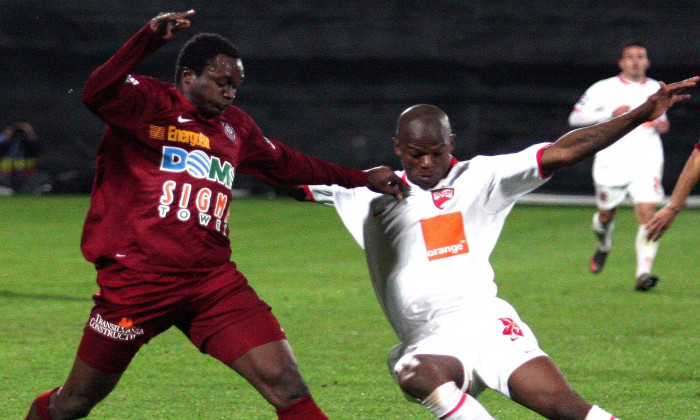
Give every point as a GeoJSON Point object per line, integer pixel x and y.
{"type": "Point", "coordinates": [441, 196]}
{"type": "Point", "coordinates": [444, 236]}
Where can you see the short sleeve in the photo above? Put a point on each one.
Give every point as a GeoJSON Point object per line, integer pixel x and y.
{"type": "Point", "coordinates": [512, 176]}
{"type": "Point", "coordinates": [590, 108]}
{"type": "Point", "coordinates": [352, 205]}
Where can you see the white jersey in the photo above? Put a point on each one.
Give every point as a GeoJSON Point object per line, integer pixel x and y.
{"type": "Point", "coordinates": [428, 254]}
{"type": "Point", "coordinates": [641, 150]}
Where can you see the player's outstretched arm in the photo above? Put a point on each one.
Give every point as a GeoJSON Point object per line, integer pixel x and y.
{"type": "Point", "coordinates": [579, 144]}
{"type": "Point", "coordinates": [663, 218]}
{"type": "Point", "coordinates": [167, 25]}
{"type": "Point", "coordinates": [383, 180]}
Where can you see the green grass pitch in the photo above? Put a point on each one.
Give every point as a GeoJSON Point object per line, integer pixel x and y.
{"type": "Point", "coordinates": [635, 354]}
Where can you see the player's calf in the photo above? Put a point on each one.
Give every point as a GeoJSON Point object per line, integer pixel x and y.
{"type": "Point", "coordinates": [304, 408]}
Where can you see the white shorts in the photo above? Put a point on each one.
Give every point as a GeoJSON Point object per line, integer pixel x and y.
{"type": "Point", "coordinates": [647, 189]}
{"type": "Point", "coordinates": [489, 339]}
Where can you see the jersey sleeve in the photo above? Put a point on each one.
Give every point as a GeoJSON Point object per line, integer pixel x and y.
{"type": "Point", "coordinates": [275, 162]}
{"type": "Point", "coordinates": [112, 93]}
{"type": "Point", "coordinates": [512, 176]}
{"type": "Point", "coordinates": [352, 205]}
{"type": "Point", "coordinates": [590, 108]}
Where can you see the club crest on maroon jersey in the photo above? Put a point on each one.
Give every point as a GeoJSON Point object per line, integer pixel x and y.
{"type": "Point", "coordinates": [228, 130]}
{"type": "Point", "coordinates": [441, 196]}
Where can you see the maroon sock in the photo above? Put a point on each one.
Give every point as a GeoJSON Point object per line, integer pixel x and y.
{"type": "Point", "coordinates": [42, 404]}
{"type": "Point", "coordinates": [302, 409]}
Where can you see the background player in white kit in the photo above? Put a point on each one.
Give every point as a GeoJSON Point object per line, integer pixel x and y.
{"type": "Point", "coordinates": [631, 166]}
{"type": "Point", "coordinates": [428, 258]}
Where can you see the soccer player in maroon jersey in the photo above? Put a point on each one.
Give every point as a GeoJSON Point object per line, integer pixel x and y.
{"type": "Point", "coordinates": [157, 227]}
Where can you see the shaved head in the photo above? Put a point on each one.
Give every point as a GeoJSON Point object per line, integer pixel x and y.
{"type": "Point", "coordinates": [423, 121]}
{"type": "Point", "coordinates": [424, 143]}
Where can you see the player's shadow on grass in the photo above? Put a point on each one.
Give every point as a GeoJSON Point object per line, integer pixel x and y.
{"type": "Point", "coordinates": [8, 294]}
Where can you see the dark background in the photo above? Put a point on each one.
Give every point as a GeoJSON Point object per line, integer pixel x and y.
{"type": "Point", "coordinates": [331, 77]}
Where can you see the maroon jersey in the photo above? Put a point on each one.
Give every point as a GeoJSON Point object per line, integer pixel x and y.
{"type": "Point", "coordinates": [164, 172]}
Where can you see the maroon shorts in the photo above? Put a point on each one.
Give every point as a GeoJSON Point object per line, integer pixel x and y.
{"type": "Point", "coordinates": [216, 309]}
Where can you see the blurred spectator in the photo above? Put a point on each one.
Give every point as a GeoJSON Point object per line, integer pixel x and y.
{"type": "Point", "coordinates": [19, 151]}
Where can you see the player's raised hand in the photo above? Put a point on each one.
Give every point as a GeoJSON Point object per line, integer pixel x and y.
{"type": "Point", "coordinates": [383, 180]}
{"type": "Point", "coordinates": [668, 95]}
{"type": "Point", "coordinates": [168, 24]}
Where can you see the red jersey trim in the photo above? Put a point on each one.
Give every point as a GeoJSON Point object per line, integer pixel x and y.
{"type": "Point", "coordinates": [629, 82]}
{"type": "Point", "coordinates": [308, 192]}
{"type": "Point", "coordinates": [697, 146]}
{"type": "Point", "coordinates": [539, 161]}
{"type": "Point", "coordinates": [459, 405]}
{"type": "Point", "coordinates": [453, 162]}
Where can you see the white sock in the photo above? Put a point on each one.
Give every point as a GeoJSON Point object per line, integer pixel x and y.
{"type": "Point", "coordinates": [604, 233]}
{"type": "Point", "coordinates": [646, 251]}
{"type": "Point", "coordinates": [598, 413]}
{"type": "Point", "coordinates": [450, 403]}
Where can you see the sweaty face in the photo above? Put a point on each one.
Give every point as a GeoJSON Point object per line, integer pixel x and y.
{"type": "Point", "coordinates": [634, 63]}
{"type": "Point", "coordinates": [213, 91]}
{"type": "Point", "coordinates": [425, 153]}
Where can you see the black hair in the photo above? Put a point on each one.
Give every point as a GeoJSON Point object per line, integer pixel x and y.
{"type": "Point", "coordinates": [200, 50]}
{"type": "Point", "coordinates": [632, 43]}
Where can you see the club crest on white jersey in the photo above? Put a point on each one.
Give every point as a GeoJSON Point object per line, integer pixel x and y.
{"type": "Point", "coordinates": [441, 196]}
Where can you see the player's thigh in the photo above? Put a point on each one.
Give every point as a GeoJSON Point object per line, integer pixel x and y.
{"type": "Point", "coordinates": [647, 193]}
{"type": "Point", "coordinates": [436, 366]}
{"type": "Point", "coordinates": [538, 376]}
{"type": "Point", "coordinates": [448, 350]}
{"type": "Point", "coordinates": [506, 344]}
{"type": "Point", "coordinates": [228, 318]}
{"type": "Point", "coordinates": [129, 310]}
{"type": "Point", "coordinates": [609, 197]}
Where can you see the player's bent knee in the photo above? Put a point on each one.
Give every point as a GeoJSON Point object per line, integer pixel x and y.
{"type": "Point", "coordinates": [286, 384]}
{"type": "Point", "coordinates": [419, 375]}
{"type": "Point", "coordinates": [282, 373]}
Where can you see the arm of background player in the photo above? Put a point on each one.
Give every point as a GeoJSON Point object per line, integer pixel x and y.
{"type": "Point", "coordinates": [663, 219]}
{"type": "Point", "coordinates": [107, 82]}
{"type": "Point", "coordinates": [579, 144]}
{"type": "Point", "coordinates": [588, 110]}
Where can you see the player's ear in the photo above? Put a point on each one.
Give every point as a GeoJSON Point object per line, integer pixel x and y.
{"type": "Point", "coordinates": [452, 142]}
{"type": "Point", "coordinates": [397, 146]}
{"type": "Point", "coordinates": [187, 76]}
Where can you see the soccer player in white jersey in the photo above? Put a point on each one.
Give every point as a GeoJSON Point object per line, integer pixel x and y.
{"type": "Point", "coordinates": [428, 258]}
{"type": "Point", "coordinates": [633, 166]}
